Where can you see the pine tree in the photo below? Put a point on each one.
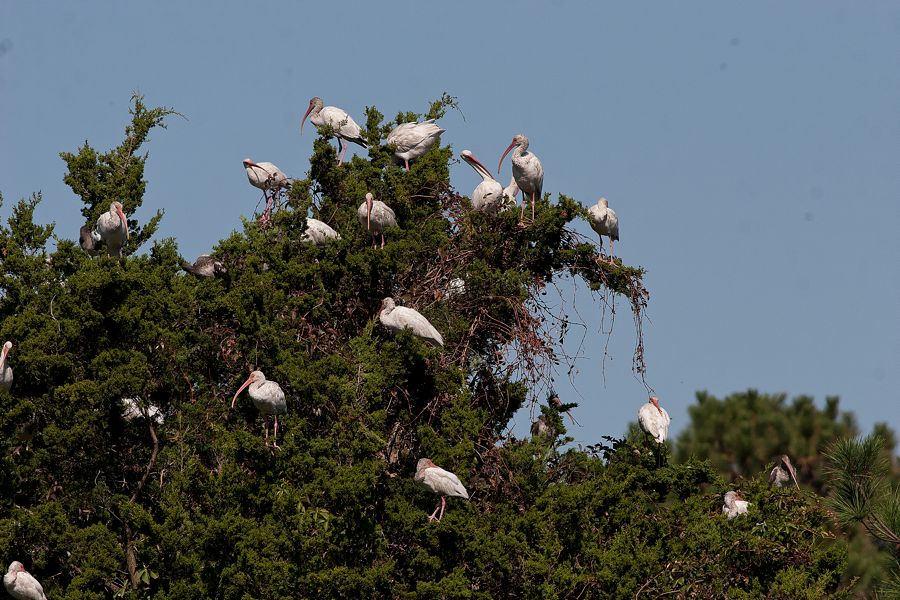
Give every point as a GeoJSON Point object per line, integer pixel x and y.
{"type": "Point", "coordinates": [98, 504]}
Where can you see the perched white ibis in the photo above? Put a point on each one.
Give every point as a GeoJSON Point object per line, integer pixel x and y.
{"type": "Point", "coordinates": [21, 585]}
{"type": "Point", "coordinates": [112, 229]}
{"type": "Point", "coordinates": [605, 222]}
{"type": "Point", "coordinates": [6, 372]}
{"type": "Point", "coordinates": [412, 140]}
{"type": "Point", "coordinates": [783, 473]}
{"type": "Point", "coordinates": [343, 127]}
{"type": "Point", "coordinates": [396, 318]}
{"type": "Point", "coordinates": [734, 505]}
{"type": "Point", "coordinates": [375, 216]}
{"type": "Point", "coordinates": [527, 170]}
{"type": "Point", "coordinates": [439, 481]}
{"type": "Point", "coordinates": [654, 420]}
{"type": "Point", "coordinates": [132, 409]}
{"type": "Point", "coordinates": [267, 177]}
{"type": "Point", "coordinates": [205, 266]}
{"type": "Point", "coordinates": [268, 398]}
{"type": "Point", "coordinates": [488, 195]}
{"type": "Point", "coordinates": [319, 233]}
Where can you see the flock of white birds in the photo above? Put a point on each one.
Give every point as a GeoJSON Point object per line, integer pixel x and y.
{"type": "Point", "coordinates": [409, 142]}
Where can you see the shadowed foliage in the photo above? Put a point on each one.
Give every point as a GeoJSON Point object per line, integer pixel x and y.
{"type": "Point", "coordinates": [97, 505]}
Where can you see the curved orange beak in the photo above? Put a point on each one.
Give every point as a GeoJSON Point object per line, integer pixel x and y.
{"type": "Point", "coordinates": [125, 221]}
{"type": "Point", "coordinates": [241, 389]}
{"type": "Point", "coordinates": [508, 148]}
{"type": "Point", "coordinates": [308, 110]}
{"type": "Point", "coordinates": [474, 161]}
{"type": "Point", "coordinates": [3, 354]}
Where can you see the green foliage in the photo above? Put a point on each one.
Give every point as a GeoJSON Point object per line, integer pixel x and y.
{"type": "Point", "coordinates": [745, 433]}
{"type": "Point", "coordinates": [197, 506]}
{"type": "Point", "coordinates": [100, 178]}
{"type": "Point", "coordinates": [860, 476]}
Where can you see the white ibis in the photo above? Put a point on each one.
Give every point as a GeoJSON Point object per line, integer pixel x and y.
{"type": "Point", "coordinates": [21, 585]}
{"type": "Point", "coordinates": [112, 229]}
{"type": "Point", "coordinates": [439, 481]}
{"type": "Point", "coordinates": [488, 195]}
{"type": "Point", "coordinates": [267, 177]}
{"type": "Point", "coordinates": [734, 505]}
{"type": "Point", "coordinates": [396, 318]}
{"type": "Point", "coordinates": [318, 232]}
{"type": "Point", "coordinates": [783, 473]}
{"type": "Point", "coordinates": [343, 127]}
{"type": "Point", "coordinates": [605, 222]}
{"type": "Point", "coordinates": [268, 398]}
{"type": "Point", "coordinates": [654, 420]}
{"type": "Point", "coordinates": [205, 266]}
{"type": "Point", "coordinates": [527, 170]}
{"type": "Point", "coordinates": [375, 216]}
{"type": "Point", "coordinates": [412, 140]}
{"type": "Point", "coordinates": [6, 372]}
{"type": "Point", "coordinates": [131, 410]}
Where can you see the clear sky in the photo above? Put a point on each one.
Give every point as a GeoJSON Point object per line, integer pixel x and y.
{"type": "Point", "coordinates": [749, 149]}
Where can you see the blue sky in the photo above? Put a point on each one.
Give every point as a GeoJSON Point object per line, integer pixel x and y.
{"type": "Point", "coordinates": [749, 149]}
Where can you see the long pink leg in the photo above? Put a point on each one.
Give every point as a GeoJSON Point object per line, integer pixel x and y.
{"type": "Point", "coordinates": [443, 503]}
{"type": "Point", "coordinates": [406, 160]}
{"type": "Point", "coordinates": [432, 516]}
{"type": "Point", "coordinates": [382, 239]}
{"type": "Point", "coordinates": [522, 212]}
{"type": "Point", "coordinates": [275, 436]}
{"type": "Point", "coordinates": [611, 261]}
{"type": "Point", "coordinates": [532, 206]}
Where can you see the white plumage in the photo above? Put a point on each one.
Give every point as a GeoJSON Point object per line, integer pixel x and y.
{"type": "Point", "coordinates": [526, 169]}
{"type": "Point", "coordinates": [412, 140]}
{"type": "Point", "coordinates": [21, 585]}
{"type": "Point", "coordinates": [439, 481]}
{"type": "Point", "coordinates": [112, 229]}
{"type": "Point", "coordinates": [268, 397]}
{"type": "Point", "coordinates": [264, 175]}
{"type": "Point", "coordinates": [343, 127]}
{"type": "Point", "coordinates": [783, 473]}
{"type": "Point", "coordinates": [318, 232]}
{"type": "Point", "coordinates": [605, 222]}
{"type": "Point", "coordinates": [396, 318]}
{"type": "Point", "coordinates": [654, 420]}
{"type": "Point", "coordinates": [734, 505]}
{"type": "Point", "coordinates": [488, 195]}
{"type": "Point", "coordinates": [375, 216]}
{"type": "Point", "coordinates": [6, 372]}
{"type": "Point", "coordinates": [132, 410]}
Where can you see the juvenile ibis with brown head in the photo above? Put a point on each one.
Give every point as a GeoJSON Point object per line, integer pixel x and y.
{"type": "Point", "coordinates": [783, 473]}
{"type": "Point", "coordinates": [734, 505]}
